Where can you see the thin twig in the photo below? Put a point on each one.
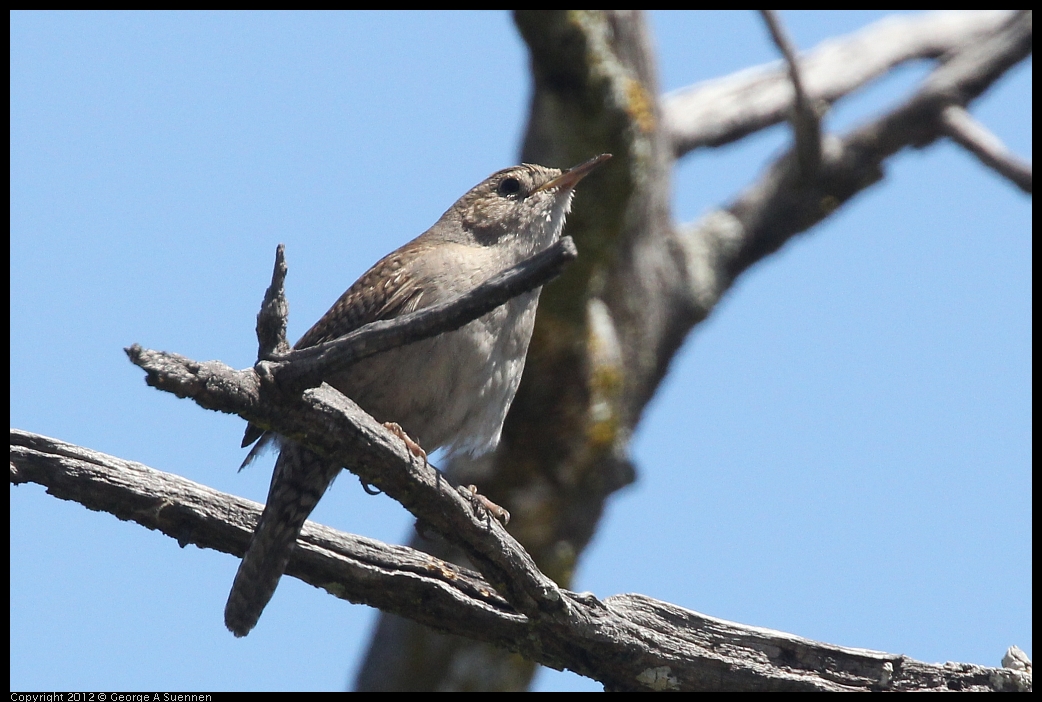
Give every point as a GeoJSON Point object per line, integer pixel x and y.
{"type": "Point", "coordinates": [806, 126]}
{"type": "Point", "coordinates": [960, 126]}
{"type": "Point", "coordinates": [274, 311]}
{"type": "Point", "coordinates": [306, 367]}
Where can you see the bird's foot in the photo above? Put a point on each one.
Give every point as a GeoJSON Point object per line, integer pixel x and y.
{"type": "Point", "coordinates": [490, 507]}
{"type": "Point", "coordinates": [414, 448]}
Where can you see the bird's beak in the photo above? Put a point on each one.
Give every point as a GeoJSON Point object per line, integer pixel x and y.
{"type": "Point", "coordinates": [568, 179]}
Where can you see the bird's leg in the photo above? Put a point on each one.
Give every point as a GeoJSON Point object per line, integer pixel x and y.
{"type": "Point", "coordinates": [490, 507]}
{"type": "Point", "coordinates": [414, 448]}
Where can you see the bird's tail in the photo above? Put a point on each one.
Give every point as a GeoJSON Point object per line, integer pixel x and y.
{"type": "Point", "coordinates": [299, 480]}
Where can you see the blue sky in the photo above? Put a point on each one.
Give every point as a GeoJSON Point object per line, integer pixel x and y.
{"type": "Point", "coordinates": [842, 451]}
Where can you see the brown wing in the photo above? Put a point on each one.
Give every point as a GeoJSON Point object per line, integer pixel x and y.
{"type": "Point", "coordinates": [382, 292]}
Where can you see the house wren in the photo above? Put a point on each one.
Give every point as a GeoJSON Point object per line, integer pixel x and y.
{"type": "Point", "coordinates": [450, 391]}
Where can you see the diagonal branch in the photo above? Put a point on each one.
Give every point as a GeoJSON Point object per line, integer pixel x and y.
{"type": "Point", "coordinates": [960, 127]}
{"type": "Point", "coordinates": [290, 371]}
{"type": "Point", "coordinates": [306, 367]}
{"type": "Point", "coordinates": [628, 642]}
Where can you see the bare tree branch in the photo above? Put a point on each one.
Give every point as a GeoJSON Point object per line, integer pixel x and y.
{"type": "Point", "coordinates": [723, 110]}
{"type": "Point", "coordinates": [781, 204]}
{"type": "Point", "coordinates": [960, 127]}
{"type": "Point", "coordinates": [290, 371]}
{"type": "Point", "coordinates": [274, 312]}
{"type": "Point", "coordinates": [629, 642]}
{"type": "Point", "coordinates": [806, 126]}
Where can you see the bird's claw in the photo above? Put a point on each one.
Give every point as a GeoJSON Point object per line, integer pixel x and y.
{"type": "Point", "coordinates": [414, 448]}
{"type": "Point", "coordinates": [490, 507]}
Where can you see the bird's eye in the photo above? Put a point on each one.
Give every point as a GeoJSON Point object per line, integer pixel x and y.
{"type": "Point", "coordinates": [509, 186]}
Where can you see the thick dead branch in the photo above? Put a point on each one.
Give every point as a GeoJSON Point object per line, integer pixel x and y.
{"type": "Point", "coordinates": [331, 424]}
{"type": "Point", "coordinates": [723, 110]}
{"type": "Point", "coordinates": [629, 642]}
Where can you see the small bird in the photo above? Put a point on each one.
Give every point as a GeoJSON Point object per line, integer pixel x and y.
{"type": "Point", "coordinates": [450, 391]}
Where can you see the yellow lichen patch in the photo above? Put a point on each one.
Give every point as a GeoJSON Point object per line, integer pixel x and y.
{"type": "Point", "coordinates": [640, 106]}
